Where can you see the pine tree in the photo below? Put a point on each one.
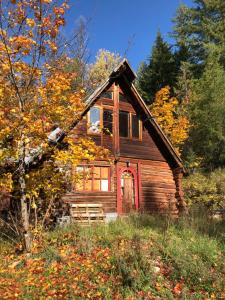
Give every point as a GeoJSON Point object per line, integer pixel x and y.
{"type": "Point", "coordinates": [159, 70]}
{"type": "Point", "coordinates": [199, 28]}
{"type": "Point", "coordinates": [207, 110]}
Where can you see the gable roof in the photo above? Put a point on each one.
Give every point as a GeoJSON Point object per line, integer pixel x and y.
{"type": "Point", "coordinates": [124, 70]}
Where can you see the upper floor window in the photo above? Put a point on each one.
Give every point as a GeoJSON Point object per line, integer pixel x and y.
{"type": "Point", "coordinates": [135, 126]}
{"type": "Point", "coordinates": [93, 178]}
{"type": "Point", "coordinates": [123, 98]}
{"type": "Point", "coordinates": [129, 125]}
{"type": "Point", "coordinates": [100, 120]}
{"type": "Point", "coordinates": [107, 94]}
{"type": "Point", "coordinates": [124, 123]}
{"type": "Point", "coordinates": [107, 121]}
{"type": "Point", "coordinates": [94, 120]}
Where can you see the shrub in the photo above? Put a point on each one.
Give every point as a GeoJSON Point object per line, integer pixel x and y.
{"type": "Point", "coordinates": [205, 189]}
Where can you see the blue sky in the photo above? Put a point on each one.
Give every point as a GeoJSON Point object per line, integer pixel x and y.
{"type": "Point", "coordinates": [116, 24]}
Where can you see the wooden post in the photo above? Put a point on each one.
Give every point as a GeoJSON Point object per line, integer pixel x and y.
{"type": "Point", "coordinates": [116, 137]}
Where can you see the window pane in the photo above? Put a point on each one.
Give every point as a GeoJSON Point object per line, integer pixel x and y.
{"type": "Point", "coordinates": [88, 185]}
{"type": "Point", "coordinates": [135, 127]}
{"type": "Point", "coordinates": [80, 185]}
{"type": "Point", "coordinates": [104, 185]}
{"type": "Point", "coordinates": [123, 98]}
{"type": "Point", "coordinates": [97, 172]}
{"type": "Point", "coordinates": [94, 120]}
{"type": "Point", "coordinates": [96, 186]}
{"type": "Point", "coordinates": [105, 173]}
{"type": "Point", "coordinates": [107, 94]}
{"type": "Point", "coordinates": [123, 123]}
{"type": "Point", "coordinates": [80, 170]}
{"type": "Point", "coordinates": [87, 172]}
{"type": "Point", "coordinates": [107, 121]}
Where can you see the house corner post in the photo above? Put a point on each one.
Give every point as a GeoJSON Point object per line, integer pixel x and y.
{"type": "Point", "coordinates": [181, 204]}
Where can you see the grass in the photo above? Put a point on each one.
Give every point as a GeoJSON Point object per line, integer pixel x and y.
{"type": "Point", "coordinates": [140, 257]}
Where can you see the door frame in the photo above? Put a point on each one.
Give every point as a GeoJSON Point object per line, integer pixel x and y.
{"type": "Point", "coordinates": [120, 171]}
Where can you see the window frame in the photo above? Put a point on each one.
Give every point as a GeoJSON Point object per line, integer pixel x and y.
{"type": "Point", "coordinates": [128, 124]}
{"type": "Point", "coordinates": [89, 121]}
{"type": "Point", "coordinates": [92, 179]}
{"type": "Point", "coordinates": [130, 135]}
{"type": "Point", "coordinates": [101, 131]}
{"type": "Point", "coordinates": [139, 127]}
{"type": "Point", "coordinates": [111, 109]}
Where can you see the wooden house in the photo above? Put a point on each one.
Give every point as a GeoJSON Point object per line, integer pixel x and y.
{"type": "Point", "coordinates": [146, 172]}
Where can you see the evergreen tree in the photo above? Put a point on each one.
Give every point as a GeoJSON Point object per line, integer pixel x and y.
{"type": "Point", "coordinates": [207, 110]}
{"type": "Point", "coordinates": [199, 28]}
{"type": "Point", "coordinates": [158, 71]}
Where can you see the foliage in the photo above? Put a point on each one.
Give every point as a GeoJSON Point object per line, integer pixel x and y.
{"type": "Point", "coordinates": [99, 71]}
{"type": "Point", "coordinates": [207, 139]}
{"type": "Point", "coordinates": [159, 70]}
{"type": "Point", "coordinates": [136, 258]}
{"type": "Point", "coordinates": [205, 189]}
{"type": "Point", "coordinates": [36, 96]}
{"type": "Point", "coordinates": [200, 27]}
{"type": "Point", "coordinates": [165, 109]}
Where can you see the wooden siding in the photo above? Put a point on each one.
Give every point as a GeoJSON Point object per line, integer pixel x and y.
{"type": "Point", "coordinates": [107, 199]}
{"type": "Point", "coordinates": [144, 148]}
{"type": "Point", "coordinates": [158, 188]}
{"type": "Point", "coordinates": [159, 185]}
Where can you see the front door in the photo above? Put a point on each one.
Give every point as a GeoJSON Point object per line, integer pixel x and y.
{"type": "Point", "coordinates": [127, 191]}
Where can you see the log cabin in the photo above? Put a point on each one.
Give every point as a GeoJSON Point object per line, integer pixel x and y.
{"type": "Point", "coordinates": [145, 172]}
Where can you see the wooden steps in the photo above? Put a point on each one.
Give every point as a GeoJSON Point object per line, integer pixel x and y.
{"type": "Point", "coordinates": [87, 213]}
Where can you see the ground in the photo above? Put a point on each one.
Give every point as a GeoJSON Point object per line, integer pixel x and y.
{"type": "Point", "coordinates": [140, 257]}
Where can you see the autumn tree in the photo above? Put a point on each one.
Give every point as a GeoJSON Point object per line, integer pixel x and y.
{"type": "Point", "coordinates": [168, 114]}
{"type": "Point", "coordinates": [99, 71]}
{"type": "Point", "coordinates": [38, 107]}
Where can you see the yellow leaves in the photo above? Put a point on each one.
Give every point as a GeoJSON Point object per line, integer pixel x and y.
{"type": "Point", "coordinates": [6, 182]}
{"type": "Point", "coordinates": [5, 67]}
{"type": "Point", "coordinates": [53, 46]}
{"type": "Point", "coordinates": [30, 22]}
{"type": "Point", "coordinates": [174, 123]}
{"type": "Point", "coordinates": [22, 43]}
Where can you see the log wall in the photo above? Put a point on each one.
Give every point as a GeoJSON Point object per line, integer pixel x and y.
{"type": "Point", "coordinates": [158, 188]}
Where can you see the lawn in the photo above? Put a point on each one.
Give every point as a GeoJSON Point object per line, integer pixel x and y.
{"type": "Point", "coordinates": [140, 257]}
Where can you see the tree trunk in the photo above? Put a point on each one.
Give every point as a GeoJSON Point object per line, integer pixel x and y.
{"type": "Point", "coordinates": [23, 200]}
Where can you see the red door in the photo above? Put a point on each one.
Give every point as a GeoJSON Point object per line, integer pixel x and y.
{"type": "Point", "coordinates": [127, 193]}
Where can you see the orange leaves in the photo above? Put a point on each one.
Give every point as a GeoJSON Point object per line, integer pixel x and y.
{"type": "Point", "coordinates": [178, 288]}
{"type": "Point", "coordinates": [77, 275]}
{"type": "Point", "coordinates": [58, 11]}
